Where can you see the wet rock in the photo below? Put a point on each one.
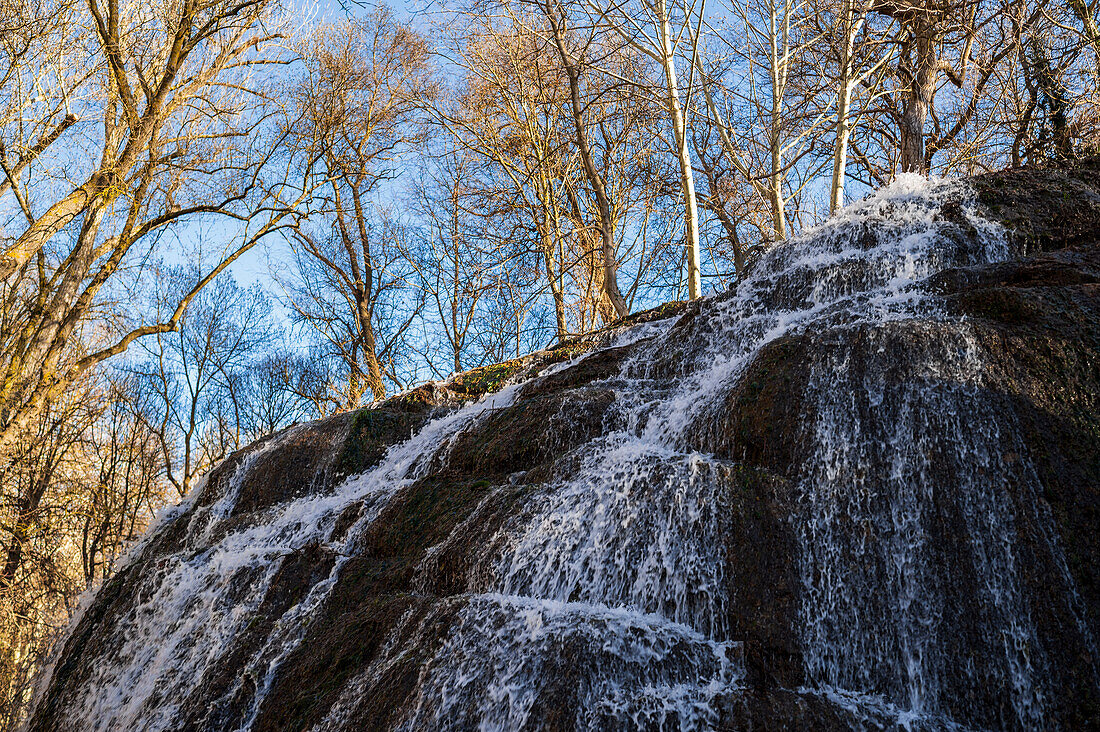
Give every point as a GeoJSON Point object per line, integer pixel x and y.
{"type": "Point", "coordinates": [879, 516]}
{"type": "Point", "coordinates": [1044, 209]}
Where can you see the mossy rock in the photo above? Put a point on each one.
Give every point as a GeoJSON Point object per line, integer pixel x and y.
{"type": "Point", "coordinates": [1044, 208]}
{"type": "Point", "coordinates": [485, 379]}
{"type": "Point", "coordinates": [372, 432]}
{"type": "Point", "coordinates": [529, 433]}
{"type": "Point", "coordinates": [374, 602]}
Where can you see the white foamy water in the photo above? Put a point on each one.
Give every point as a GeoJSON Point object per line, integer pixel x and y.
{"type": "Point", "coordinates": [202, 598]}
{"type": "Point", "coordinates": [607, 591]}
{"type": "Point", "coordinates": [634, 520]}
{"type": "Point", "coordinates": [892, 460]}
{"type": "Point", "coordinates": [619, 668]}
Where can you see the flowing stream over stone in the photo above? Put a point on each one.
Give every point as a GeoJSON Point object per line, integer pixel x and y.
{"type": "Point", "coordinates": [611, 581]}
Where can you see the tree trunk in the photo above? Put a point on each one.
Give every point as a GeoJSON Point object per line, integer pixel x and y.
{"type": "Point", "coordinates": [840, 152]}
{"type": "Point", "coordinates": [775, 190]}
{"type": "Point", "coordinates": [370, 351]}
{"type": "Point", "coordinates": [778, 62]}
{"type": "Point", "coordinates": [918, 98]}
{"type": "Point", "coordinates": [24, 514]}
{"type": "Point", "coordinates": [687, 179]}
{"type": "Point", "coordinates": [843, 108]}
{"type": "Point", "coordinates": [555, 289]}
{"type": "Point", "coordinates": [607, 230]}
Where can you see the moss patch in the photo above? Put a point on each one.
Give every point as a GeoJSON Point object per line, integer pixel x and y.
{"type": "Point", "coordinates": [486, 379]}
{"type": "Point", "coordinates": [372, 432]}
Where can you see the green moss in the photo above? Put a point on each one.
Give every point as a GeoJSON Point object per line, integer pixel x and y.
{"type": "Point", "coordinates": [415, 399]}
{"type": "Point", "coordinates": [666, 310]}
{"type": "Point", "coordinates": [508, 440]}
{"type": "Point", "coordinates": [360, 635]}
{"type": "Point", "coordinates": [372, 432]}
{"type": "Point", "coordinates": [571, 349]}
{"type": "Point", "coordinates": [486, 379]}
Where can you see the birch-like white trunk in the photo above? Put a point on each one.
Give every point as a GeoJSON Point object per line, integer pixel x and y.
{"type": "Point", "coordinates": [840, 150]}
{"type": "Point", "coordinates": [679, 130]}
{"type": "Point", "coordinates": [843, 106]}
{"type": "Point", "coordinates": [778, 61]}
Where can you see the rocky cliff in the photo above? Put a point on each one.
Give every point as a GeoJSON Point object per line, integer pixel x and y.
{"type": "Point", "coordinates": [861, 490]}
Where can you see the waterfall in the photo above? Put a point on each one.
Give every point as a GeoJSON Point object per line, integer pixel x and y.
{"type": "Point", "coordinates": [607, 586]}
{"type": "Point", "coordinates": [203, 595]}
{"type": "Point", "coordinates": [632, 520]}
{"type": "Point", "coordinates": [888, 459]}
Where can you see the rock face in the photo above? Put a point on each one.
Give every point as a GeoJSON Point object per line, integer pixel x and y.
{"type": "Point", "coordinates": [860, 491]}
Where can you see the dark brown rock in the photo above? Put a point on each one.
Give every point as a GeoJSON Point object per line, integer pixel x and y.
{"type": "Point", "coordinates": [395, 598]}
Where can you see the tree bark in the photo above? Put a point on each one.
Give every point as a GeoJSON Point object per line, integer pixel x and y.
{"type": "Point", "coordinates": [921, 86]}
{"type": "Point", "coordinates": [606, 227]}
{"type": "Point", "coordinates": [840, 152]}
{"type": "Point", "coordinates": [843, 109]}
{"type": "Point", "coordinates": [687, 179]}
{"type": "Point", "coordinates": [555, 288]}
{"type": "Point", "coordinates": [778, 84]}
{"type": "Point", "coordinates": [370, 354]}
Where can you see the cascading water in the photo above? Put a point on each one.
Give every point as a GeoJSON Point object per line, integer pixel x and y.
{"type": "Point", "coordinates": [615, 583]}
{"type": "Point", "coordinates": [607, 587]}
{"type": "Point", "coordinates": [885, 455]}
{"type": "Point", "coordinates": [632, 522]}
{"type": "Point", "coordinates": [204, 595]}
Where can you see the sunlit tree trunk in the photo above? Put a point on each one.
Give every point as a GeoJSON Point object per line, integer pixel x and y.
{"type": "Point", "coordinates": [779, 36]}
{"type": "Point", "coordinates": [683, 156]}
{"type": "Point", "coordinates": [610, 278]}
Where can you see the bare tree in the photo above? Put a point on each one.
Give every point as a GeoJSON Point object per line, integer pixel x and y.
{"type": "Point", "coordinates": [359, 298]}
{"type": "Point", "coordinates": [273, 393]}
{"type": "Point", "coordinates": [571, 53]}
{"type": "Point", "coordinates": [859, 59]}
{"type": "Point", "coordinates": [454, 268]}
{"type": "Point", "coordinates": [134, 128]}
{"type": "Point", "coordinates": [656, 28]}
{"type": "Point", "coordinates": [508, 115]}
{"type": "Point", "coordinates": [124, 482]}
{"type": "Point", "coordinates": [359, 100]}
{"type": "Point", "coordinates": [195, 401]}
{"type": "Point", "coordinates": [34, 583]}
{"type": "Point", "coordinates": [925, 26]}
